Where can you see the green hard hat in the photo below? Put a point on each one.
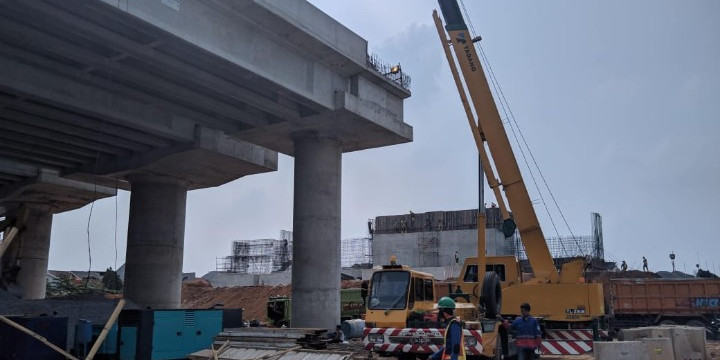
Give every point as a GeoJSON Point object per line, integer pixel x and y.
{"type": "Point", "coordinates": [446, 303]}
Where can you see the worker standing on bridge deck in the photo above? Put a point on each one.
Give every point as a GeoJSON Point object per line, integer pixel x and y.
{"type": "Point", "coordinates": [454, 348]}
{"type": "Point", "coordinates": [645, 267]}
{"type": "Point", "coordinates": [527, 332]}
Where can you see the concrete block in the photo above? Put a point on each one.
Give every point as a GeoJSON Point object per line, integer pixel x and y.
{"type": "Point", "coordinates": [689, 343]}
{"type": "Point", "coordinates": [659, 348]}
{"type": "Point", "coordinates": [620, 350]}
{"type": "Point", "coordinates": [635, 334]}
{"type": "Point", "coordinates": [665, 331]}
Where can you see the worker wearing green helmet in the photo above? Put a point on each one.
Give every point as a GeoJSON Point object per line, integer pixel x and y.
{"type": "Point", "coordinates": [454, 348]}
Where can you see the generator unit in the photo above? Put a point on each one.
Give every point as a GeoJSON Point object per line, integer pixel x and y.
{"type": "Point", "coordinates": [166, 334]}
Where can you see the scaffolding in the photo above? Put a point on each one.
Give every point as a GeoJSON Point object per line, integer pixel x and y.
{"type": "Point", "coordinates": [266, 256]}
{"type": "Point", "coordinates": [568, 247]}
{"type": "Point", "coordinates": [262, 256]}
{"type": "Point", "coordinates": [428, 249]}
{"type": "Point", "coordinates": [356, 253]}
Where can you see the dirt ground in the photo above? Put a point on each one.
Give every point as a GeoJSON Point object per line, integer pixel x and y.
{"type": "Point", "coordinates": [199, 294]}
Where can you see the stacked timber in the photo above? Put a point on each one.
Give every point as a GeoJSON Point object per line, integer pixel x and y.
{"type": "Point", "coordinates": [271, 343]}
{"type": "Point", "coordinates": [283, 338]}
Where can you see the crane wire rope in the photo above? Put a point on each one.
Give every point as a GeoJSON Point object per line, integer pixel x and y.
{"type": "Point", "coordinates": [510, 116]}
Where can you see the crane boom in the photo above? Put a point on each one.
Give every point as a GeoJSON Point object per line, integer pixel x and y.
{"type": "Point", "coordinates": [492, 133]}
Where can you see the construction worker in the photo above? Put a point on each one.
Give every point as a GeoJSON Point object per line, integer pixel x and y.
{"type": "Point", "coordinates": [527, 332]}
{"type": "Point", "coordinates": [645, 267]}
{"type": "Point", "coordinates": [339, 336]}
{"type": "Point", "coordinates": [588, 262]}
{"type": "Point", "coordinates": [454, 347]}
{"type": "Point", "coordinates": [623, 267]}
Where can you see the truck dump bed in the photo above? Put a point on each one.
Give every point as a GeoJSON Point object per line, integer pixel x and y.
{"type": "Point", "coordinates": [665, 296]}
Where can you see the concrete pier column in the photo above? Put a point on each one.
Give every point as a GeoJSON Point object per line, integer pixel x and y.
{"type": "Point", "coordinates": [316, 233]}
{"type": "Point", "coordinates": [32, 248]}
{"type": "Point", "coordinates": [156, 234]}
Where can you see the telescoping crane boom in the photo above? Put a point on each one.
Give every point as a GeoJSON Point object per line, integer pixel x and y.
{"type": "Point", "coordinates": [490, 131]}
{"type": "Point", "coordinates": [560, 296]}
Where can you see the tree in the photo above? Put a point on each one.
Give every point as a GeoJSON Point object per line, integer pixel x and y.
{"type": "Point", "coordinates": [111, 280]}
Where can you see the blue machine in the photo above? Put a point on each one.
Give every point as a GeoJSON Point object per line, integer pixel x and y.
{"type": "Point", "coordinates": [83, 337]}
{"type": "Point", "coordinates": [166, 334]}
{"type": "Point", "coordinates": [109, 348]}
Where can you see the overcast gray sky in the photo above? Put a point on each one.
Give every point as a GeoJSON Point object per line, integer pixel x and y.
{"type": "Point", "coordinates": [619, 102]}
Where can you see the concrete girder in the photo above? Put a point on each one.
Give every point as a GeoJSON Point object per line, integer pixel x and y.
{"type": "Point", "coordinates": [120, 75]}
{"type": "Point", "coordinates": [84, 122]}
{"type": "Point", "coordinates": [53, 89]}
{"type": "Point", "coordinates": [47, 144]}
{"type": "Point", "coordinates": [72, 22]}
{"type": "Point", "coordinates": [211, 160]}
{"type": "Point", "coordinates": [44, 153]}
{"type": "Point", "coordinates": [357, 124]}
{"type": "Point", "coordinates": [45, 132]}
{"type": "Point", "coordinates": [36, 158]}
{"type": "Point", "coordinates": [17, 168]}
{"type": "Point", "coordinates": [107, 140]}
{"type": "Point", "coordinates": [48, 188]}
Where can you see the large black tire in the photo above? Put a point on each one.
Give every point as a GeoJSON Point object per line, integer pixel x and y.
{"type": "Point", "coordinates": [491, 296]}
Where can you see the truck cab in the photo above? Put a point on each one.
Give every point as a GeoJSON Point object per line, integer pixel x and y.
{"type": "Point", "coordinates": [399, 295]}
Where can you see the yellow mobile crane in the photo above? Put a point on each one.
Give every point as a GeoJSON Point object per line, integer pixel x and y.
{"type": "Point", "coordinates": [398, 324]}
{"type": "Point", "coordinates": [561, 298]}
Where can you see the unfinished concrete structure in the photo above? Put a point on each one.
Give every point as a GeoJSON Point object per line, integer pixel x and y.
{"type": "Point", "coordinates": [162, 97]}
{"type": "Point", "coordinates": [431, 239]}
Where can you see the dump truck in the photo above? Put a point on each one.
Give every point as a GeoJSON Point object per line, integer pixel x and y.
{"type": "Point", "coordinates": [645, 302]}
{"type": "Point", "coordinates": [352, 306]}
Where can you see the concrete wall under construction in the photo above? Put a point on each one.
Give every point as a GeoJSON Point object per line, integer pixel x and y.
{"type": "Point", "coordinates": [417, 250]}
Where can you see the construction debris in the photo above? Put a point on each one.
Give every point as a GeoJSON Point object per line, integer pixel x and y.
{"type": "Point", "coordinates": [272, 343]}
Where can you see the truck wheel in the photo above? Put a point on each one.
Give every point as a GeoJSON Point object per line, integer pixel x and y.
{"type": "Point", "coordinates": [491, 295]}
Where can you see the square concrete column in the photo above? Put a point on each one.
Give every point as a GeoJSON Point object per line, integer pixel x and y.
{"type": "Point", "coordinates": [156, 235]}
{"type": "Point", "coordinates": [316, 233]}
{"type": "Point", "coordinates": [25, 263]}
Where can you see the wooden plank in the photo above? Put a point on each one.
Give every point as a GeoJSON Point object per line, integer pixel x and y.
{"type": "Point", "coordinates": [106, 329]}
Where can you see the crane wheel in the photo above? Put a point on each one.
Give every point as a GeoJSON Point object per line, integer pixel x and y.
{"type": "Point", "coordinates": [491, 295]}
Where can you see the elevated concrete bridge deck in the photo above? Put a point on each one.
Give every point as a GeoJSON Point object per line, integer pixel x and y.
{"type": "Point", "coordinates": [164, 96]}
